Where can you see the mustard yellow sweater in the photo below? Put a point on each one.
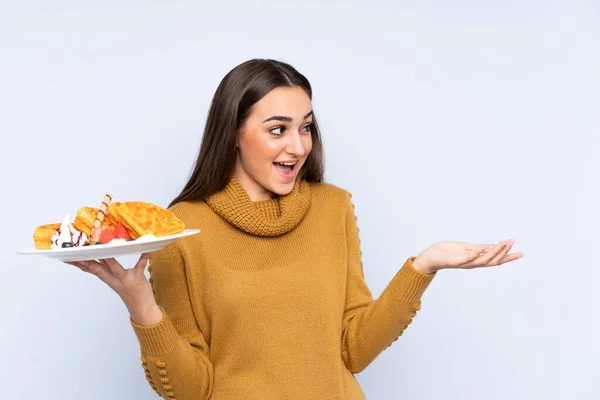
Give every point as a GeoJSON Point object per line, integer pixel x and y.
{"type": "Point", "coordinates": [269, 301]}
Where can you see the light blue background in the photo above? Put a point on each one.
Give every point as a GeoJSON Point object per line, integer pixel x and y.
{"type": "Point", "coordinates": [463, 120]}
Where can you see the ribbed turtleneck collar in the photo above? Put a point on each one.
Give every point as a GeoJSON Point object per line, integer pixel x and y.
{"type": "Point", "coordinates": [271, 217]}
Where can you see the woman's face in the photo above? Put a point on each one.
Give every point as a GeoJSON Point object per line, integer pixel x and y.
{"type": "Point", "coordinates": [274, 143]}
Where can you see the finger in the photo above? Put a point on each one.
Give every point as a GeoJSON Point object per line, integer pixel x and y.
{"type": "Point", "coordinates": [475, 251]}
{"type": "Point", "coordinates": [475, 247]}
{"type": "Point", "coordinates": [491, 253]}
{"type": "Point", "coordinates": [479, 256]}
{"type": "Point", "coordinates": [497, 260]}
{"type": "Point", "coordinates": [142, 262]}
{"type": "Point", "coordinates": [512, 257]}
{"type": "Point", "coordinates": [114, 267]}
{"type": "Point", "coordinates": [100, 270]}
{"type": "Point", "coordinates": [78, 265]}
{"type": "Point", "coordinates": [480, 248]}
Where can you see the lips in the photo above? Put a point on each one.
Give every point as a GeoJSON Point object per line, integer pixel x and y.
{"type": "Point", "coordinates": [285, 169]}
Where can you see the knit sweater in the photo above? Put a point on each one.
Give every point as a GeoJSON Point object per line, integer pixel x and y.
{"type": "Point", "coordinates": [269, 300]}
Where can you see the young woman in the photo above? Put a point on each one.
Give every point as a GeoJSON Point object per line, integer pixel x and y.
{"type": "Point", "coordinates": [269, 301]}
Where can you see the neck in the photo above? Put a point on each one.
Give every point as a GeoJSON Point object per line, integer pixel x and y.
{"type": "Point", "coordinates": [255, 191]}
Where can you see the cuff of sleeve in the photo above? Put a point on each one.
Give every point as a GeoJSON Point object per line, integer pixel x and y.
{"type": "Point", "coordinates": [157, 339]}
{"type": "Point", "coordinates": [410, 284]}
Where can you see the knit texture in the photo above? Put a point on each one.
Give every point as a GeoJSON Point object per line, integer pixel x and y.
{"type": "Point", "coordinates": [269, 301]}
{"type": "Point", "coordinates": [263, 218]}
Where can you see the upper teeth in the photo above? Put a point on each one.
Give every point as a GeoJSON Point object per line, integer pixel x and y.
{"type": "Point", "coordinates": [288, 163]}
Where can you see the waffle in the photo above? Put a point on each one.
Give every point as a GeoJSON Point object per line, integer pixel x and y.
{"type": "Point", "coordinates": [84, 220]}
{"type": "Point", "coordinates": [142, 218]}
{"type": "Point", "coordinates": [42, 236]}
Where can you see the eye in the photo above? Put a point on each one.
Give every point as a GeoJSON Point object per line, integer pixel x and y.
{"type": "Point", "coordinates": [274, 130]}
{"type": "Point", "coordinates": [308, 128]}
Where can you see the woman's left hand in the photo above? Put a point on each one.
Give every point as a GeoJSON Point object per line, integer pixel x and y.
{"type": "Point", "coordinates": [464, 255]}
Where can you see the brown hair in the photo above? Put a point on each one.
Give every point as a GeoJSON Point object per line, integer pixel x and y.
{"type": "Point", "coordinates": [231, 105]}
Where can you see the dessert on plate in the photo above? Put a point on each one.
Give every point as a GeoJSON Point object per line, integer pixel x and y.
{"type": "Point", "coordinates": [114, 223]}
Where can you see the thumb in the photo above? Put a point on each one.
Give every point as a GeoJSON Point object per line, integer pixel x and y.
{"type": "Point", "coordinates": [476, 251]}
{"type": "Point", "coordinates": [485, 247]}
{"type": "Point", "coordinates": [142, 262]}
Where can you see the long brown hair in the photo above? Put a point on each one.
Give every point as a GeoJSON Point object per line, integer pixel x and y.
{"type": "Point", "coordinates": [231, 105]}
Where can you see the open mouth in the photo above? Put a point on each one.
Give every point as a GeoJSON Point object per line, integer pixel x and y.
{"type": "Point", "coordinates": [286, 168]}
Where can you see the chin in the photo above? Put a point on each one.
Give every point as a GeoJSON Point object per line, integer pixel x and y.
{"type": "Point", "coordinates": [282, 188]}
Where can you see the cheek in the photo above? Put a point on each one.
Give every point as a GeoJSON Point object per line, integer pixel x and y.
{"type": "Point", "coordinates": [256, 149]}
{"type": "Point", "coordinates": [271, 148]}
{"type": "Point", "coordinates": [308, 144]}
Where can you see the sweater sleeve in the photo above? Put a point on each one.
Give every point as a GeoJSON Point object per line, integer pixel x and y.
{"type": "Point", "coordinates": [370, 326]}
{"type": "Point", "coordinates": [174, 351]}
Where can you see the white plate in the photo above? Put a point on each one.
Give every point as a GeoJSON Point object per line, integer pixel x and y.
{"type": "Point", "coordinates": [98, 252]}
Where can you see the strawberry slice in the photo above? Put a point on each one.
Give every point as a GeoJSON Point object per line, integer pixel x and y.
{"type": "Point", "coordinates": [121, 232]}
{"type": "Point", "coordinates": [106, 235]}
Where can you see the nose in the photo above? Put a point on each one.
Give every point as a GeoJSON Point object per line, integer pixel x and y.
{"type": "Point", "coordinates": [296, 145]}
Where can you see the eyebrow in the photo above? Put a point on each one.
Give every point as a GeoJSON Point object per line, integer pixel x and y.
{"type": "Point", "coordinates": [286, 119]}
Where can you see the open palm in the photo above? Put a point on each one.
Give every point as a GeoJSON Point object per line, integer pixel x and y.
{"type": "Point", "coordinates": [467, 255]}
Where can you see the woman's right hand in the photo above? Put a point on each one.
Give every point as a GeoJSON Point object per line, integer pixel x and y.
{"type": "Point", "coordinates": [131, 285]}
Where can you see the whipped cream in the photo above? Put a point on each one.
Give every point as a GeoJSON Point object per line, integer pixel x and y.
{"type": "Point", "coordinates": [67, 234]}
{"type": "Point", "coordinates": [115, 242]}
{"type": "Point", "coordinates": [146, 238]}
